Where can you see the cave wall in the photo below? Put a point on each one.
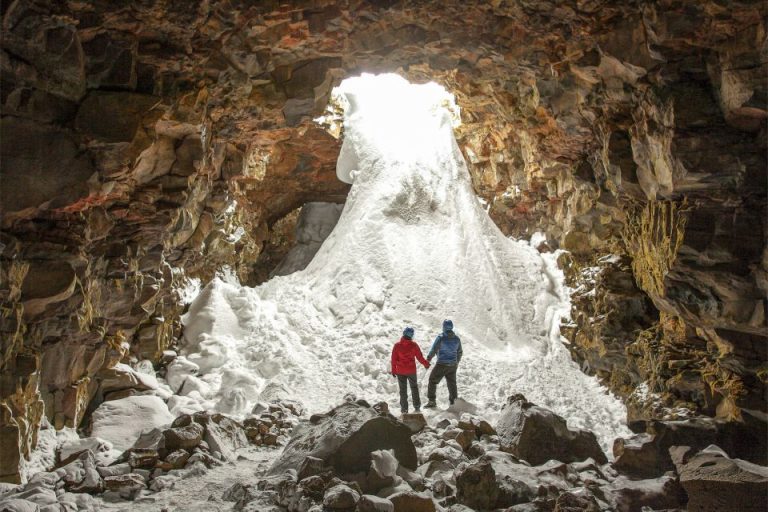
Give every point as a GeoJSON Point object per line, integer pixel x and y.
{"type": "Point", "coordinates": [147, 142]}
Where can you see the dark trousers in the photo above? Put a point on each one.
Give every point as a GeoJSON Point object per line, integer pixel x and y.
{"type": "Point", "coordinates": [436, 375]}
{"type": "Point", "coordinates": [403, 381]}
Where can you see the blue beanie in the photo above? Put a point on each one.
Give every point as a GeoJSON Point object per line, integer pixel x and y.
{"type": "Point", "coordinates": [447, 325]}
{"type": "Point", "coordinates": [408, 332]}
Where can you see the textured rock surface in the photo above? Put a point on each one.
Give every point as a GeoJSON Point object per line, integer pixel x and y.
{"type": "Point", "coordinates": [536, 435]}
{"type": "Point", "coordinates": [713, 481]}
{"type": "Point", "coordinates": [145, 143]}
{"type": "Point", "coordinates": [345, 438]}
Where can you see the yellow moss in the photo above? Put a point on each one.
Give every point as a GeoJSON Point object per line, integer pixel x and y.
{"type": "Point", "coordinates": [653, 234]}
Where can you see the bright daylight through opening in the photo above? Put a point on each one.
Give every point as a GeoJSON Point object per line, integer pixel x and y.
{"type": "Point", "coordinates": [412, 246]}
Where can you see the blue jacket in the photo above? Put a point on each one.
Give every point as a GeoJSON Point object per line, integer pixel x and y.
{"type": "Point", "coordinates": [447, 346]}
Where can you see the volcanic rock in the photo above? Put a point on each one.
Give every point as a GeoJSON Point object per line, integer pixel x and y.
{"type": "Point", "coordinates": [345, 438]}
{"type": "Point", "coordinates": [537, 435]}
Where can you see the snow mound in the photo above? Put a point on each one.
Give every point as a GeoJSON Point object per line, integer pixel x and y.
{"type": "Point", "coordinates": [413, 246]}
{"type": "Point", "coordinates": [121, 422]}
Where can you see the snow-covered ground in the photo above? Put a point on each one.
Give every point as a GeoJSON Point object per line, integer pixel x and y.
{"type": "Point", "coordinates": [413, 246]}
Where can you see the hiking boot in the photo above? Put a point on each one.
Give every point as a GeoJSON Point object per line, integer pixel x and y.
{"type": "Point", "coordinates": [417, 410]}
{"type": "Point", "coordinates": [430, 405]}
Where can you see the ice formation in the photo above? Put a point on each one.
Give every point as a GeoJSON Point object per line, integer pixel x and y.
{"type": "Point", "coordinates": [413, 246]}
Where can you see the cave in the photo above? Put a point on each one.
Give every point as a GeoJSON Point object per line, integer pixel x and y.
{"type": "Point", "coordinates": [161, 158]}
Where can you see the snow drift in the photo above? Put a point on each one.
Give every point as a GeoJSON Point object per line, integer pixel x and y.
{"type": "Point", "coordinates": [412, 247]}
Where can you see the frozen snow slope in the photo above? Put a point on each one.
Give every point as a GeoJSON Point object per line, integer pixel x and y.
{"type": "Point", "coordinates": [413, 246]}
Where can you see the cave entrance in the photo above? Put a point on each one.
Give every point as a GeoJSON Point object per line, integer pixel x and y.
{"type": "Point", "coordinates": [295, 237]}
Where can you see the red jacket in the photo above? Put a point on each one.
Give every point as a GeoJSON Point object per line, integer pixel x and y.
{"type": "Point", "coordinates": [403, 354]}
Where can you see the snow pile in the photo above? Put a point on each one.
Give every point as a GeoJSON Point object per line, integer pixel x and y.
{"type": "Point", "coordinates": [119, 423]}
{"type": "Point", "coordinates": [413, 246]}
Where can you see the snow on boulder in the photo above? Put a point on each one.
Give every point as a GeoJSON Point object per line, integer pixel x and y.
{"type": "Point", "coordinates": [121, 376]}
{"type": "Point", "coordinates": [536, 435]}
{"type": "Point", "coordinates": [121, 422]}
{"type": "Point", "coordinates": [345, 438]}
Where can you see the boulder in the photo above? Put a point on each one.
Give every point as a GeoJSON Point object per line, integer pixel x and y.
{"type": "Point", "coordinates": [177, 459]}
{"type": "Point", "coordinates": [18, 505]}
{"type": "Point", "coordinates": [572, 502]}
{"type": "Point", "coordinates": [224, 435]}
{"type": "Point", "coordinates": [370, 503]}
{"type": "Point", "coordinates": [127, 486]}
{"type": "Point", "coordinates": [121, 422]}
{"type": "Point", "coordinates": [81, 474]}
{"type": "Point", "coordinates": [536, 434]}
{"type": "Point", "coordinates": [344, 439]}
{"type": "Point", "coordinates": [340, 497]}
{"type": "Point", "coordinates": [184, 438]}
{"type": "Point", "coordinates": [411, 501]}
{"type": "Point", "coordinates": [499, 480]}
{"type": "Point", "coordinates": [715, 482]}
{"type": "Point", "coordinates": [476, 486]}
{"type": "Point", "coordinates": [121, 377]}
{"type": "Point", "coordinates": [647, 455]}
{"type": "Point", "coordinates": [629, 495]}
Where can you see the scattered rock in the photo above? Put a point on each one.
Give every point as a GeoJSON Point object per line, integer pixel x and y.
{"type": "Point", "coordinates": [410, 501]}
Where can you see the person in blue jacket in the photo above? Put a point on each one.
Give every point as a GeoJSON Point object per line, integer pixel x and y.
{"type": "Point", "coordinates": [447, 347]}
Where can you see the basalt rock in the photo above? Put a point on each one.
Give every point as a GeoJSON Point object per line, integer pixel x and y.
{"type": "Point", "coordinates": [344, 440]}
{"type": "Point", "coordinates": [713, 481]}
{"type": "Point", "coordinates": [537, 435]}
{"type": "Point", "coordinates": [148, 143]}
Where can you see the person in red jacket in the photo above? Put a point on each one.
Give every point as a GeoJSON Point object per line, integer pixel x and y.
{"type": "Point", "coordinates": [404, 354]}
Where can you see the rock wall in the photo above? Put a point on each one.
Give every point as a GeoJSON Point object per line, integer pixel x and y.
{"type": "Point", "coordinates": [144, 143]}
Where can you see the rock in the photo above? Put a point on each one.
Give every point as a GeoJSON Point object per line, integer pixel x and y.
{"type": "Point", "coordinates": [313, 487]}
{"type": "Point", "coordinates": [18, 505]}
{"type": "Point", "coordinates": [121, 422]}
{"type": "Point", "coordinates": [537, 435]}
{"type": "Point", "coordinates": [32, 155]}
{"type": "Point", "coordinates": [410, 501]}
{"type": "Point", "coordinates": [121, 376]}
{"type": "Point", "coordinates": [235, 492]}
{"type": "Point", "coordinates": [128, 486]}
{"type": "Point", "coordinates": [435, 466]}
{"type": "Point", "coordinates": [184, 438]}
{"type": "Point", "coordinates": [370, 503]}
{"type": "Point", "coordinates": [461, 436]}
{"type": "Point", "coordinates": [81, 475]}
{"type": "Point", "coordinates": [143, 458]}
{"type": "Point", "coordinates": [311, 466]}
{"type": "Point", "coordinates": [127, 110]}
{"type": "Point", "coordinates": [648, 454]}
{"type": "Point", "coordinates": [415, 421]}
{"type": "Point", "coordinates": [177, 459]}
{"type": "Point", "coordinates": [633, 495]}
{"type": "Point", "coordinates": [571, 502]}
{"type": "Point", "coordinates": [225, 435]}
{"type": "Point", "coordinates": [340, 497]}
{"type": "Point", "coordinates": [476, 486]}
{"type": "Point", "coordinates": [114, 470]}
{"type": "Point", "coordinates": [345, 439]}
{"type": "Point", "coordinates": [713, 481]}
